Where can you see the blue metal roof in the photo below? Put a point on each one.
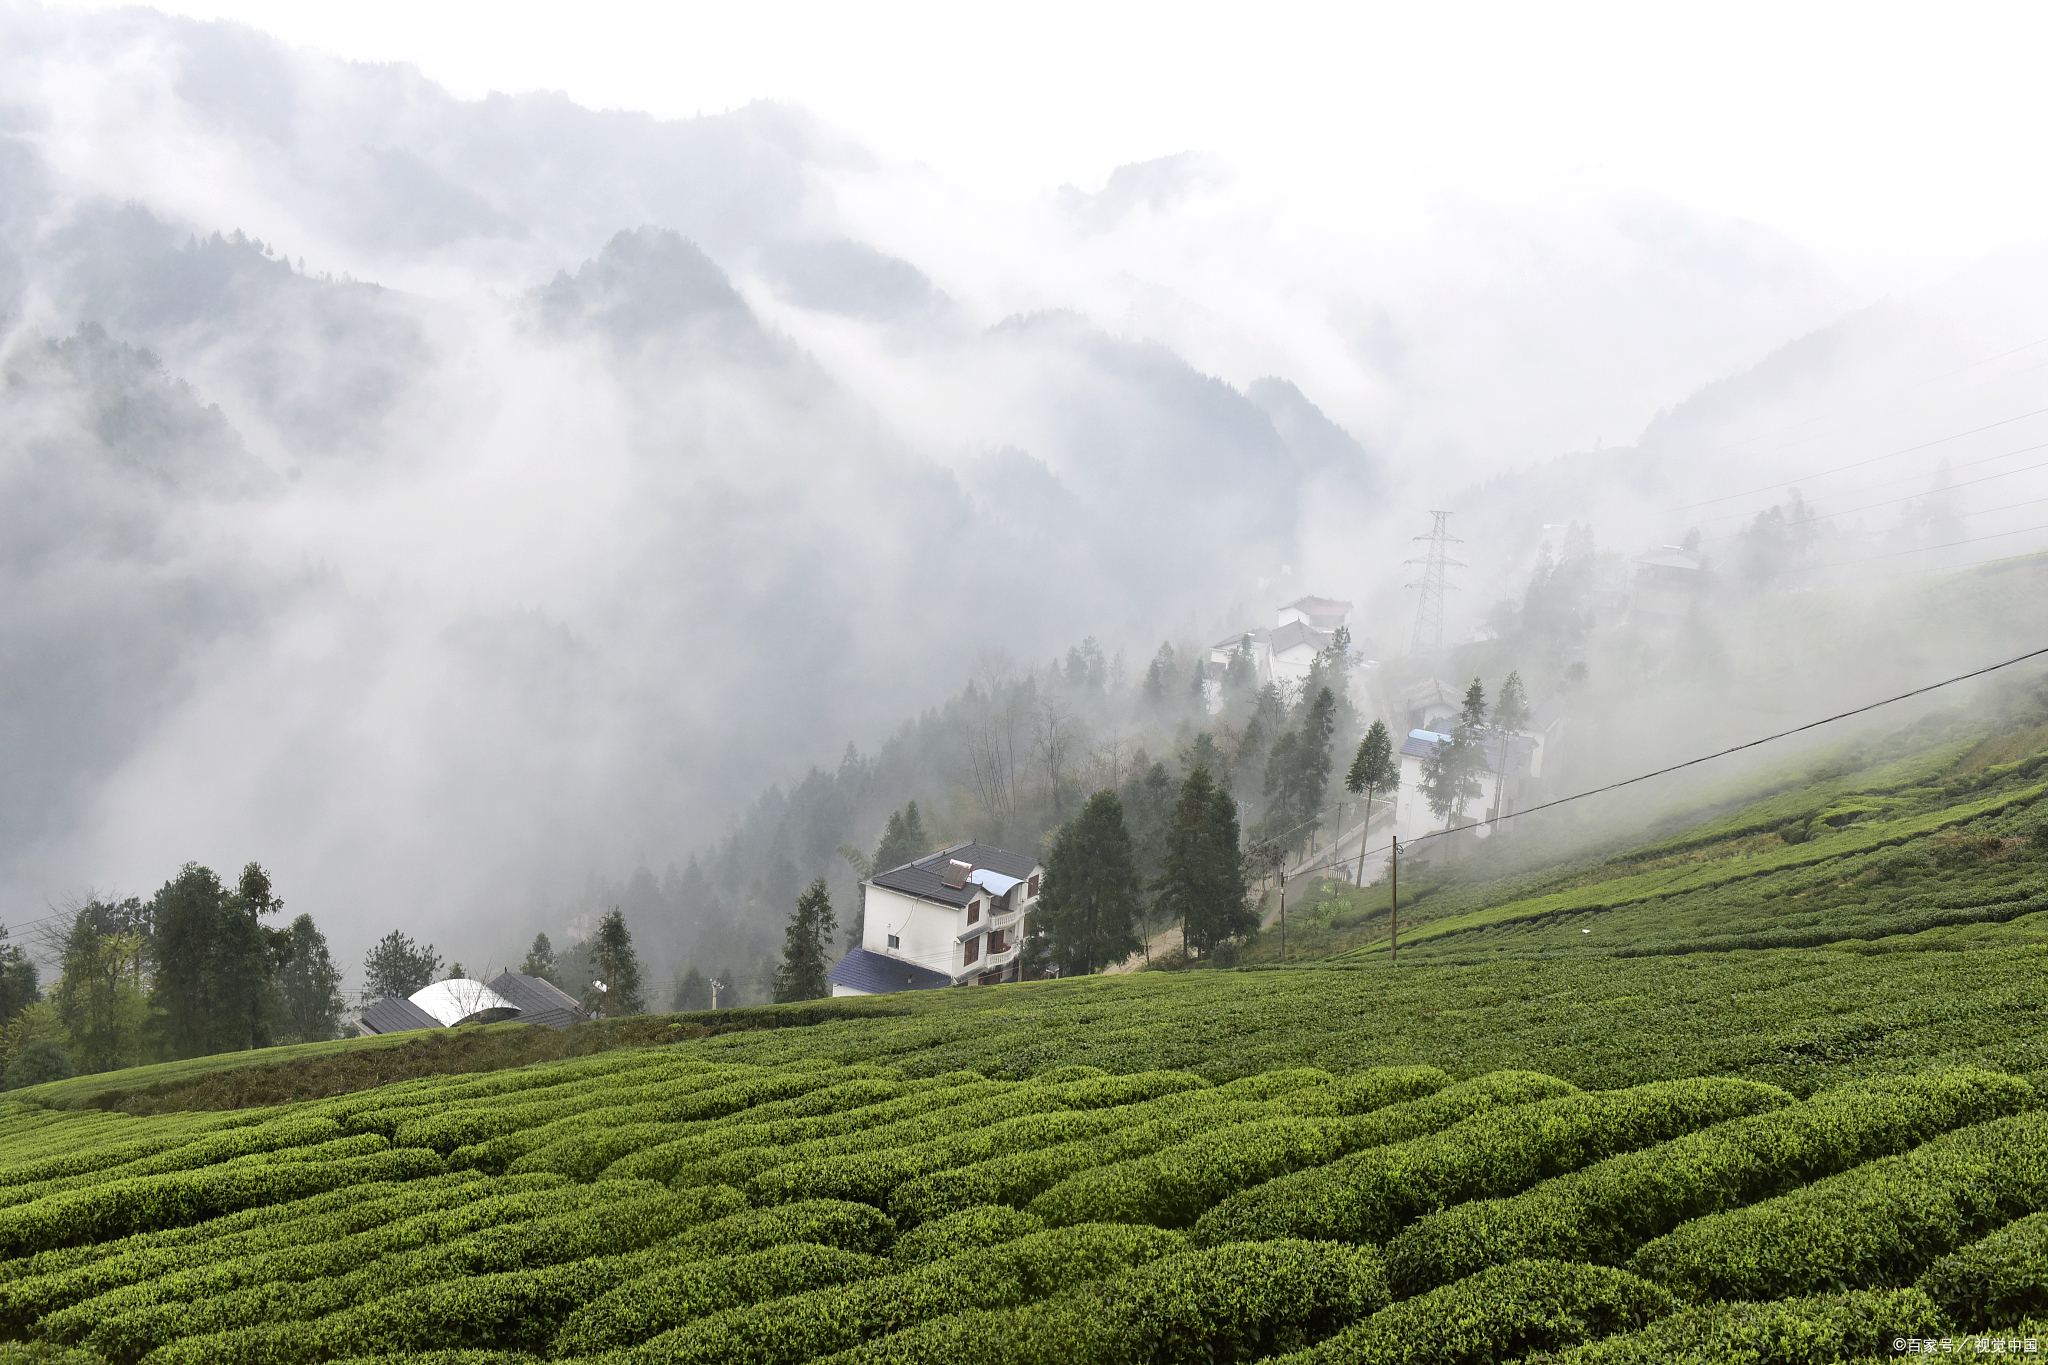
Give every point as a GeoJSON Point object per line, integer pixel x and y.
{"type": "Point", "coordinates": [880, 974]}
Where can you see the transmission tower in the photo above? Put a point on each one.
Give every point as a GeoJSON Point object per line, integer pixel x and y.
{"type": "Point", "coordinates": [1429, 608]}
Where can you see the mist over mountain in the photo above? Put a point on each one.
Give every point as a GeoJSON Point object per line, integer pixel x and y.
{"type": "Point", "coordinates": [461, 504]}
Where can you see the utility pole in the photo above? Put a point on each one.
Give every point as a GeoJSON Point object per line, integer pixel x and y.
{"type": "Point", "coordinates": [1429, 607]}
{"type": "Point", "coordinates": [1394, 904]}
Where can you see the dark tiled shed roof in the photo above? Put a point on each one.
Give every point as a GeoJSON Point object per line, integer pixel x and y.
{"type": "Point", "coordinates": [925, 878]}
{"type": "Point", "coordinates": [539, 1001]}
{"type": "Point", "coordinates": [394, 1014]}
{"type": "Point", "coordinates": [880, 974]}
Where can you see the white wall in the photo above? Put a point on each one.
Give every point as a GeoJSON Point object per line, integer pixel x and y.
{"type": "Point", "coordinates": [926, 931]}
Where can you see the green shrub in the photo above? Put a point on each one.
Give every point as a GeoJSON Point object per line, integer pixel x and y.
{"type": "Point", "coordinates": [1505, 1312]}
{"type": "Point", "coordinates": [321, 1219]}
{"type": "Point", "coordinates": [1082, 1109]}
{"type": "Point", "coordinates": [984, 1225]}
{"type": "Point", "coordinates": [147, 1158]}
{"type": "Point", "coordinates": [668, 1159]}
{"type": "Point", "coordinates": [1233, 1303]}
{"type": "Point", "coordinates": [272, 1319]}
{"type": "Point", "coordinates": [797, 1328]}
{"type": "Point", "coordinates": [1822, 1330]}
{"type": "Point", "coordinates": [1995, 1281]}
{"type": "Point", "coordinates": [1370, 1194]}
{"type": "Point", "coordinates": [653, 1304]}
{"type": "Point", "coordinates": [113, 1209]}
{"type": "Point", "coordinates": [1881, 1222]}
{"type": "Point", "coordinates": [214, 1276]}
{"type": "Point", "coordinates": [1604, 1212]}
{"type": "Point", "coordinates": [1362, 1092]}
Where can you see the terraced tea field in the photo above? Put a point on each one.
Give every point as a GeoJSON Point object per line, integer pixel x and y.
{"type": "Point", "coordinates": [1790, 1156]}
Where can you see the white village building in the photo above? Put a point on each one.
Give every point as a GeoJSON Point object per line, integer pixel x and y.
{"type": "Point", "coordinates": [1301, 630]}
{"type": "Point", "coordinates": [947, 919]}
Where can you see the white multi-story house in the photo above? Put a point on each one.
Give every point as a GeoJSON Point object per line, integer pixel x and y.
{"type": "Point", "coordinates": [947, 919]}
{"type": "Point", "coordinates": [1301, 630]}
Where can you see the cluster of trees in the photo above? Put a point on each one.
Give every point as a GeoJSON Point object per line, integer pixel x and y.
{"type": "Point", "coordinates": [603, 972]}
{"type": "Point", "coordinates": [193, 970]}
{"type": "Point", "coordinates": [1452, 774]}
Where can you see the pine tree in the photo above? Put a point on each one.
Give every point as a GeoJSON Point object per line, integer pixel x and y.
{"type": "Point", "coordinates": [311, 983]}
{"type": "Point", "coordinates": [1203, 882]}
{"type": "Point", "coordinates": [806, 948]}
{"type": "Point", "coordinates": [1510, 714]}
{"type": "Point", "coordinates": [903, 839]}
{"type": "Point", "coordinates": [693, 992]}
{"type": "Point", "coordinates": [1373, 771]}
{"type": "Point", "coordinates": [1089, 905]}
{"type": "Point", "coordinates": [1298, 773]}
{"type": "Point", "coordinates": [540, 961]}
{"type": "Point", "coordinates": [397, 966]}
{"type": "Point", "coordinates": [616, 989]}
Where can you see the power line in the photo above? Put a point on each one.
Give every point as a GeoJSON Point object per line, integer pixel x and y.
{"type": "Point", "coordinates": [1909, 497]}
{"type": "Point", "coordinates": [1925, 549]}
{"type": "Point", "coordinates": [1750, 744]}
{"type": "Point", "coordinates": [1856, 464]}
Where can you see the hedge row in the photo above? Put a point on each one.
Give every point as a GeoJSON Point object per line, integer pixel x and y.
{"type": "Point", "coordinates": [1604, 1212]}
{"type": "Point", "coordinates": [668, 1158]}
{"type": "Point", "coordinates": [99, 1212]}
{"type": "Point", "coordinates": [1997, 1281]}
{"type": "Point", "coordinates": [1042, 1095]}
{"type": "Point", "coordinates": [658, 1303]}
{"type": "Point", "coordinates": [1020, 1177]}
{"type": "Point", "coordinates": [387, 1108]}
{"type": "Point", "coordinates": [1505, 1312]}
{"type": "Point", "coordinates": [787, 1330]}
{"type": "Point", "coordinates": [1233, 1303]}
{"type": "Point", "coordinates": [965, 1230]}
{"type": "Point", "coordinates": [318, 1219]}
{"type": "Point", "coordinates": [1822, 1330]}
{"type": "Point", "coordinates": [336, 1254]}
{"type": "Point", "coordinates": [72, 1153]}
{"type": "Point", "coordinates": [1370, 1194]}
{"type": "Point", "coordinates": [244, 1319]}
{"type": "Point", "coordinates": [871, 1175]}
{"type": "Point", "coordinates": [668, 1107]}
{"type": "Point", "coordinates": [1880, 1223]}
{"type": "Point", "coordinates": [210, 1149]}
{"type": "Point", "coordinates": [591, 1148]}
{"type": "Point", "coordinates": [446, 1128]}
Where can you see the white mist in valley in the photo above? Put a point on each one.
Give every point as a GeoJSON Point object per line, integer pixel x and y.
{"type": "Point", "coordinates": [469, 507]}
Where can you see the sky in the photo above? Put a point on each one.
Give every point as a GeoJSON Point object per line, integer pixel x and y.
{"type": "Point", "coordinates": [1895, 142]}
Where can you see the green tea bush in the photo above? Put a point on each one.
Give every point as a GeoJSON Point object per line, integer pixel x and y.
{"type": "Point", "coordinates": [652, 1304]}
{"type": "Point", "coordinates": [1362, 1092]}
{"type": "Point", "coordinates": [1505, 1312]}
{"type": "Point", "coordinates": [1085, 1109]}
{"type": "Point", "coordinates": [1884, 1221]}
{"type": "Point", "coordinates": [331, 1256]}
{"type": "Point", "coordinates": [267, 1318]}
{"type": "Point", "coordinates": [212, 1149]}
{"type": "Point", "coordinates": [669, 1158]}
{"type": "Point", "coordinates": [118, 1207]}
{"type": "Point", "coordinates": [1604, 1212]}
{"type": "Point", "coordinates": [322, 1219]}
{"type": "Point", "coordinates": [984, 1225]}
{"type": "Point", "coordinates": [1233, 1303]}
{"type": "Point", "coordinates": [1825, 1329]}
{"type": "Point", "coordinates": [1369, 1195]}
{"type": "Point", "coordinates": [797, 1328]}
{"type": "Point", "coordinates": [1996, 1281]}
{"type": "Point", "coordinates": [1174, 1187]}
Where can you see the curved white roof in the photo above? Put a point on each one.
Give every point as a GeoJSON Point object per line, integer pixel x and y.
{"type": "Point", "coordinates": [455, 999]}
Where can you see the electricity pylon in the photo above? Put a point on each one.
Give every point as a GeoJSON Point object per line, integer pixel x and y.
{"type": "Point", "coordinates": [1429, 608]}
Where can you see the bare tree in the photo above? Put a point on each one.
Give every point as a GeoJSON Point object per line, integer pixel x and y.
{"type": "Point", "coordinates": [1058, 734]}
{"type": "Point", "coordinates": [992, 764]}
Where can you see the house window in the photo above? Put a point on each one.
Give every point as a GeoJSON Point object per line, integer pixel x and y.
{"type": "Point", "coordinates": [895, 942]}
{"type": "Point", "coordinates": [996, 943]}
{"type": "Point", "coordinates": [1031, 887]}
{"type": "Point", "coordinates": [973, 912]}
{"type": "Point", "coordinates": [973, 950]}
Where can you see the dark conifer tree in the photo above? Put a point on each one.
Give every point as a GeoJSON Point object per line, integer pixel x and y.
{"type": "Point", "coordinates": [1090, 904]}
{"type": "Point", "coordinates": [615, 990]}
{"type": "Point", "coordinates": [540, 961]}
{"type": "Point", "coordinates": [311, 984]}
{"type": "Point", "coordinates": [1203, 884]}
{"type": "Point", "coordinates": [807, 948]}
{"type": "Point", "coordinates": [398, 966]}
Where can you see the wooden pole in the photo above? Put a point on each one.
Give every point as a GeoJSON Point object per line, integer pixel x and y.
{"type": "Point", "coordinates": [1394, 904]}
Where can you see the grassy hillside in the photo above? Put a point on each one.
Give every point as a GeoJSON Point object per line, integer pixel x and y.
{"type": "Point", "coordinates": [1786, 1102]}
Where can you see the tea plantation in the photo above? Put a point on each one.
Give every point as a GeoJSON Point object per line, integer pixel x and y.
{"type": "Point", "coordinates": [1687, 1142]}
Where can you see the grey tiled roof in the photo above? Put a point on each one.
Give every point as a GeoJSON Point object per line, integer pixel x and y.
{"type": "Point", "coordinates": [394, 1014]}
{"type": "Point", "coordinates": [925, 878]}
{"type": "Point", "coordinates": [539, 1001]}
{"type": "Point", "coordinates": [880, 974]}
